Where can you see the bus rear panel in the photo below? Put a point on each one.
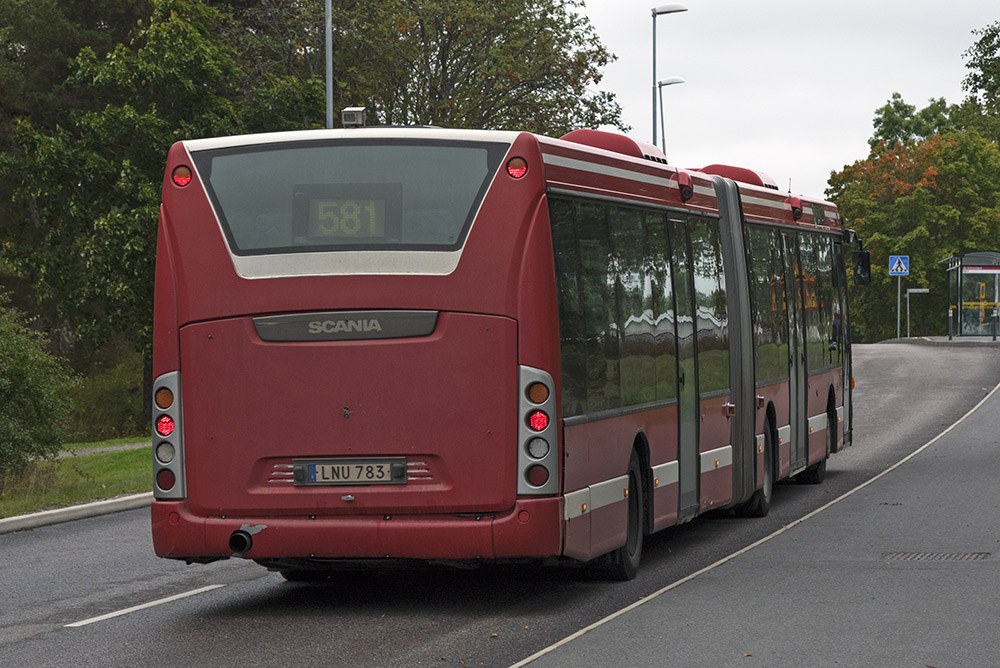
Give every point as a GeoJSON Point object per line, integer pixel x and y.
{"type": "Point", "coordinates": [340, 331]}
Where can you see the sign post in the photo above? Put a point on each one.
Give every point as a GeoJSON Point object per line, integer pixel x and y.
{"type": "Point", "coordinates": [899, 266]}
{"type": "Point", "coordinates": [912, 291]}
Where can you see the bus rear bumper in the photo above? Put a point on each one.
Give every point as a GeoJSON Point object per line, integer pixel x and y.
{"type": "Point", "coordinates": [533, 528]}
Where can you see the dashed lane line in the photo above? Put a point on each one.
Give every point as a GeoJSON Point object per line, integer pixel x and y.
{"type": "Point", "coordinates": [144, 606]}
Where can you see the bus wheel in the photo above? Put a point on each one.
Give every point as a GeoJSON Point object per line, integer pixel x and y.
{"type": "Point", "coordinates": [624, 562]}
{"type": "Point", "coordinates": [760, 503]}
{"type": "Point", "coordinates": [813, 475]}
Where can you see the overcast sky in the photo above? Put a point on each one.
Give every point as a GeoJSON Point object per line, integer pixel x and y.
{"type": "Point", "coordinates": [787, 87]}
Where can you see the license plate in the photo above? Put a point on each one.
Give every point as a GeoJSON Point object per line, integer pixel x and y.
{"type": "Point", "coordinates": [380, 471]}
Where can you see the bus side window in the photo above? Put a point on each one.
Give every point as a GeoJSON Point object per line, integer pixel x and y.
{"type": "Point", "coordinates": [711, 315]}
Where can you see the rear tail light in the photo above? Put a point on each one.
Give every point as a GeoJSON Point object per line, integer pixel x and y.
{"type": "Point", "coordinates": [538, 393]}
{"type": "Point", "coordinates": [165, 425]}
{"type": "Point", "coordinates": [538, 452]}
{"type": "Point", "coordinates": [182, 175]}
{"type": "Point", "coordinates": [538, 448]}
{"type": "Point", "coordinates": [538, 475]}
{"type": "Point", "coordinates": [538, 421]}
{"type": "Point", "coordinates": [164, 398]}
{"type": "Point", "coordinates": [166, 480]}
{"type": "Point", "coordinates": [517, 167]}
{"type": "Point", "coordinates": [165, 452]}
{"type": "Point", "coordinates": [168, 438]}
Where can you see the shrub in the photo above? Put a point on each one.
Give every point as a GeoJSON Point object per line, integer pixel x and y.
{"type": "Point", "coordinates": [34, 394]}
{"type": "Point", "coordinates": [107, 403]}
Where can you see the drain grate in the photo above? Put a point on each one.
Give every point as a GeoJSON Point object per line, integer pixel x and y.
{"type": "Point", "coordinates": [936, 556]}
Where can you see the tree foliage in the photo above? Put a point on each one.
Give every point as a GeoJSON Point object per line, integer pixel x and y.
{"type": "Point", "coordinates": [521, 64]}
{"type": "Point", "coordinates": [84, 134]}
{"type": "Point", "coordinates": [900, 122]}
{"type": "Point", "coordinates": [930, 189]}
{"type": "Point", "coordinates": [927, 199]}
{"type": "Point", "coordinates": [33, 390]}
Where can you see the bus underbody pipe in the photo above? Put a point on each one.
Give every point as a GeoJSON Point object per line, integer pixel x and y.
{"type": "Point", "coordinates": [240, 542]}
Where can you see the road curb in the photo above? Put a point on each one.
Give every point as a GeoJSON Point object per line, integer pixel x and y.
{"type": "Point", "coordinates": [78, 512]}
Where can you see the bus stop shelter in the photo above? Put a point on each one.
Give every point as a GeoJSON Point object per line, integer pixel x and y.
{"type": "Point", "coordinates": [973, 293]}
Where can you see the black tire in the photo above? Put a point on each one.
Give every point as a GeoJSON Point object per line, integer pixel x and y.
{"type": "Point", "coordinates": [623, 563]}
{"type": "Point", "coordinates": [813, 475]}
{"type": "Point", "coordinates": [760, 503]}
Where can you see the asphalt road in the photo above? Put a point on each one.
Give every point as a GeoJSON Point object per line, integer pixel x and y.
{"type": "Point", "coordinates": [495, 616]}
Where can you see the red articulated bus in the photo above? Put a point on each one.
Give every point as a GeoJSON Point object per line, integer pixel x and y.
{"type": "Point", "coordinates": [445, 345]}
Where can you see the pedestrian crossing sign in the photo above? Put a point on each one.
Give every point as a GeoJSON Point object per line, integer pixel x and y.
{"type": "Point", "coordinates": [899, 265]}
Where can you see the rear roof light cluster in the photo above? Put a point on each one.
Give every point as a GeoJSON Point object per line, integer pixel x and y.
{"type": "Point", "coordinates": [538, 451]}
{"type": "Point", "coordinates": [168, 438]}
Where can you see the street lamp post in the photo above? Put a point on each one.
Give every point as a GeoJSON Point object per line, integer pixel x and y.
{"type": "Point", "coordinates": [669, 81]}
{"type": "Point", "coordinates": [328, 34]}
{"type": "Point", "coordinates": [671, 8]}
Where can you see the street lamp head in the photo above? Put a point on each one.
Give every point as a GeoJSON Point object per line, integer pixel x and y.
{"type": "Point", "coordinates": [670, 81]}
{"type": "Point", "coordinates": [671, 8]}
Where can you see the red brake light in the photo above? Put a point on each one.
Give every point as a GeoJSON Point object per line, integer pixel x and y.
{"type": "Point", "coordinates": [538, 475]}
{"type": "Point", "coordinates": [517, 167]}
{"type": "Point", "coordinates": [165, 479]}
{"type": "Point", "coordinates": [538, 421]}
{"type": "Point", "coordinates": [165, 425]}
{"type": "Point", "coordinates": [182, 175]}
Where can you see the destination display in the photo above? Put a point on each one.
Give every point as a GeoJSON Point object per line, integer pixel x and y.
{"type": "Point", "coordinates": [347, 214]}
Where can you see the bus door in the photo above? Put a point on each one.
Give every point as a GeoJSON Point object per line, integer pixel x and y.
{"type": "Point", "coordinates": [797, 385]}
{"type": "Point", "coordinates": [840, 333]}
{"type": "Point", "coordinates": [687, 382]}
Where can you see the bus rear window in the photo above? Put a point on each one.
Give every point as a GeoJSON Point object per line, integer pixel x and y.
{"type": "Point", "coordinates": [348, 195]}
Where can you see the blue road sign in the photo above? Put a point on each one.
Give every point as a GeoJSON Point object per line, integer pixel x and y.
{"type": "Point", "coordinates": [899, 265]}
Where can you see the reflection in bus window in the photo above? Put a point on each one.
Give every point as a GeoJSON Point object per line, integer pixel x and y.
{"type": "Point", "coordinates": [770, 304]}
{"type": "Point", "coordinates": [710, 306]}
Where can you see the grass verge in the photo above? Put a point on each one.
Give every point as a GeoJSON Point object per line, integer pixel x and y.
{"type": "Point", "coordinates": [83, 447]}
{"type": "Point", "coordinates": [70, 480]}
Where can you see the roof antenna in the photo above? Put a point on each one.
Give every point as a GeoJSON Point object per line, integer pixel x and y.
{"type": "Point", "coordinates": [789, 184]}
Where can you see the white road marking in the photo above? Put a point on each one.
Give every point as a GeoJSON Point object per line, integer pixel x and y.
{"type": "Point", "coordinates": [151, 604]}
{"type": "Point", "coordinates": [720, 562]}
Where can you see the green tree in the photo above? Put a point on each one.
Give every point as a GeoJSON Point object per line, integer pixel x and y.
{"type": "Point", "coordinates": [900, 122]}
{"type": "Point", "coordinates": [523, 64]}
{"type": "Point", "coordinates": [34, 387]}
{"type": "Point", "coordinates": [982, 108]}
{"type": "Point", "coordinates": [927, 199]}
{"type": "Point", "coordinates": [84, 182]}
{"type": "Point", "coordinates": [88, 190]}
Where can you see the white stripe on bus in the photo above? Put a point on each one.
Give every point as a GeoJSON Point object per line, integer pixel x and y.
{"type": "Point", "coordinates": [717, 459]}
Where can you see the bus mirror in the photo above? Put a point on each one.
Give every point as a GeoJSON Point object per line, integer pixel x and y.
{"type": "Point", "coordinates": [862, 267]}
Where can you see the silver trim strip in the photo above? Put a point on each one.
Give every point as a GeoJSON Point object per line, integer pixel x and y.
{"type": "Point", "coordinates": [618, 172]}
{"type": "Point", "coordinates": [818, 423]}
{"type": "Point", "coordinates": [723, 455]}
{"type": "Point", "coordinates": [785, 434]}
{"type": "Point", "coordinates": [595, 496]}
{"type": "Point", "coordinates": [346, 263]}
{"type": "Point", "coordinates": [760, 442]}
{"type": "Point", "coordinates": [608, 492]}
{"type": "Point", "coordinates": [212, 143]}
{"type": "Point", "coordinates": [577, 503]}
{"type": "Point", "coordinates": [667, 474]}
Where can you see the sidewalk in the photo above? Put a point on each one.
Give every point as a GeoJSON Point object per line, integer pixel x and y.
{"type": "Point", "coordinates": [903, 572]}
{"type": "Point", "coordinates": [963, 341]}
